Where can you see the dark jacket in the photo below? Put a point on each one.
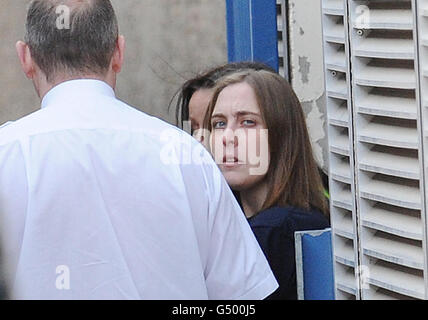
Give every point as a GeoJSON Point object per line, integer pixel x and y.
{"type": "Point", "coordinates": [274, 229]}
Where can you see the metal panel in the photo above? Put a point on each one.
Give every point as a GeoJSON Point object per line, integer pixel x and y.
{"type": "Point", "coordinates": [421, 35]}
{"type": "Point", "coordinates": [388, 135]}
{"type": "Point", "coordinates": [314, 265]}
{"type": "Point", "coordinates": [252, 31]}
{"type": "Point", "coordinates": [387, 149]}
{"type": "Point", "coordinates": [341, 157]}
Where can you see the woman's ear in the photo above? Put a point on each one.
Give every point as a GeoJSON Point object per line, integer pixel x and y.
{"type": "Point", "coordinates": [25, 59]}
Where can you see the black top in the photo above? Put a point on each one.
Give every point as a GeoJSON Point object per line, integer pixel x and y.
{"type": "Point", "coordinates": [274, 229]}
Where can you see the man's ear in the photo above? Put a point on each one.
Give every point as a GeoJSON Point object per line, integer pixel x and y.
{"type": "Point", "coordinates": [25, 59]}
{"type": "Point", "coordinates": [119, 54]}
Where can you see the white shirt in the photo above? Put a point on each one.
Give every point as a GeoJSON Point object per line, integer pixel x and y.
{"type": "Point", "coordinates": [101, 201]}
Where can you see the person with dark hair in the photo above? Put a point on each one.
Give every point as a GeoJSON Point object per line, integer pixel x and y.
{"type": "Point", "coordinates": [195, 94]}
{"type": "Point", "coordinates": [261, 143]}
{"type": "Point", "coordinates": [95, 203]}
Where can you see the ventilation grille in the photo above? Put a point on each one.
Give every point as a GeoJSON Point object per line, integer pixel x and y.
{"type": "Point", "coordinates": [340, 132]}
{"type": "Point", "coordinates": [387, 149]}
{"type": "Point", "coordinates": [421, 33]}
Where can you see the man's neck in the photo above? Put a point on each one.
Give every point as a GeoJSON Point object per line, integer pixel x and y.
{"type": "Point", "coordinates": [43, 86]}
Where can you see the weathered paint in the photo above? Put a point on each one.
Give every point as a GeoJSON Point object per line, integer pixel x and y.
{"type": "Point", "coordinates": [304, 69]}
{"type": "Point", "coordinates": [307, 71]}
{"type": "Point", "coordinates": [315, 119]}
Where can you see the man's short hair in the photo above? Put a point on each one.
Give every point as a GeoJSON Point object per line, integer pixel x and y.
{"type": "Point", "coordinates": [84, 46]}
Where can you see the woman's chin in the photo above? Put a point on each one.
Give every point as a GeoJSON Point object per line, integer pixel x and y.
{"type": "Point", "coordinates": [235, 182]}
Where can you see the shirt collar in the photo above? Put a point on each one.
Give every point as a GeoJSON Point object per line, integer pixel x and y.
{"type": "Point", "coordinates": [77, 87]}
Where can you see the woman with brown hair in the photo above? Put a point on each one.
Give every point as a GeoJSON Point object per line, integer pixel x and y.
{"type": "Point", "coordinates": [261, 143]}
{"type": "Point", "coordinates": [195, 94]}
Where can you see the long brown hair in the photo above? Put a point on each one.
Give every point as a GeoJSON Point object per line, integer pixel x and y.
{"type": "Point", "coordinates": [292, 178]}
{"type": "Point", "coordinates": [207, 80]}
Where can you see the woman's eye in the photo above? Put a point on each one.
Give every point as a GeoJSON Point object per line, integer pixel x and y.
{"type": "Point", "coordinates": [248, 123]}
{"type": "Point", "coordinates": [218, 124]}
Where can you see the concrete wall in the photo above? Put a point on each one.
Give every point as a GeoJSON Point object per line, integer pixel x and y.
{"type": "Point", "coordinates": [167, 42]}
{"type": "Point", "coordinates": [16, 93]}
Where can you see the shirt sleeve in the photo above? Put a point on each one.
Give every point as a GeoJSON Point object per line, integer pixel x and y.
{"type": "Point", "coordinates": [236, 266]}
{"type": "Point", "coordinates": [13, 204]}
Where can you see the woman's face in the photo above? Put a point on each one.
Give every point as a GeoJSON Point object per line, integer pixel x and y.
{"type": "Point", "coordinates": [198, 106]}
{"type": "Point", "coordinates": [239, 140]}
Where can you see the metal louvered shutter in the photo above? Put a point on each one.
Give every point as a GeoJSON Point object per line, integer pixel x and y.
{"type": "Point", "coordinates": [387, 83]}
{"type": "Point", "coordinates": [341, 158]}
{"type": "Point", "coordinates": [387, 149]}
{"type": "Point", "coordinates": [420, 33]}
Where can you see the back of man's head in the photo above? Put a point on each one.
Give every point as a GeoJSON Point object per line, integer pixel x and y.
{"type": "Point", "coordinates": [71, 37]}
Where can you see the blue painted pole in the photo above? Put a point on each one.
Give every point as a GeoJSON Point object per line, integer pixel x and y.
{"type": "Point", "coordinates": [252, 31]}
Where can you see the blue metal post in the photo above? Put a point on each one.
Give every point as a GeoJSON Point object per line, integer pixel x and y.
{"type": "Point", "coordinates": [252, 31]}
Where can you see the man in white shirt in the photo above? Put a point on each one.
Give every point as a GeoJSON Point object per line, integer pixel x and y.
{"type": "Point", "coordinates": [96, 201]}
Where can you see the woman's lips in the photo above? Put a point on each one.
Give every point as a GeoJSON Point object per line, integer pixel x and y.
{"type": "Point", "coordinates": [230, 162]}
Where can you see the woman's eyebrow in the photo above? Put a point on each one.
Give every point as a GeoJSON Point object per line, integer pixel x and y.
{"type": "Point", "coordinates": [246, 113]}
{"type": "Point", "coordinates": [217, 115]}
{"type": "Point", "coordinates": [236, 114]}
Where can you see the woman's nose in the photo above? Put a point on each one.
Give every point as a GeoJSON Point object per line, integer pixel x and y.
{"type": "Point", "coordinates": [229, 138]}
